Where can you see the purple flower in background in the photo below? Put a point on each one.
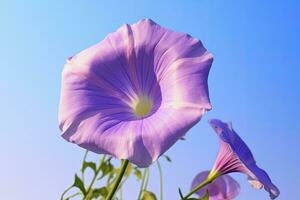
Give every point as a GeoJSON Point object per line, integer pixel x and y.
{"type": "Point", "coordinates": [222, 188]}
{"type": "Point", "coordinates": [134, 94]}
{"type": "Point", "coordinates": [235, 156]}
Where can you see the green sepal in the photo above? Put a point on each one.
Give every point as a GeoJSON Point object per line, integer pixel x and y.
{"type": "Point", "coordinates": [167, 158]}
{"type": "Point", "coordinates": [180, 194]}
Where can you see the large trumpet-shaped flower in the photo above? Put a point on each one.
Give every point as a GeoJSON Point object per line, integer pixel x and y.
{"type": "Point", "coordinates": [235, 156]}
{"type": "Point", "coordinates": [134, 94]}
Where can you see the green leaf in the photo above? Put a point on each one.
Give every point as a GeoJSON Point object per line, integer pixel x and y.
{"type": "Point", "coordinates": [147, 195]}
{"type": "Point", "coordinates": [100, 192]}
{"type": "Point", "coordinates": [91, 165]}
{"type": "Point", "coordinates": [167, 158]}
{"type": "Point", "coordinates": [180, 193]}
{"type": "Point", "coordinates": [106, 168]}
{"type": "Point", "coordinates": [110, 178]}
{"type": "Point", "coordinates": [79, 184]}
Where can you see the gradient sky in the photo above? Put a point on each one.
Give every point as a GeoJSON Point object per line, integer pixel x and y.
{"type": "Point", "coordinates": [254, 82]}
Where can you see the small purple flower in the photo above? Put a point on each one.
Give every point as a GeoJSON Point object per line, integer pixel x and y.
{"type": "Point", "coordinates": [222, 188]}
{"type": "Point", "coordinates": [134, 94]}
{"type": "Point", "coordinates": [235, 156]}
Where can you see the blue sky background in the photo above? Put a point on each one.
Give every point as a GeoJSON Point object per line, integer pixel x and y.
{"type": "Point", "coordinates": [254, 82]}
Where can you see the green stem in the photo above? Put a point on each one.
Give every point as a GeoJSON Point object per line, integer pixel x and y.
{"type": "Point", "coordinates": [73, 195]}
{"type": "Point", "coordinates": [94, 178]}
{"type": "Point", "coordinates": [63, 194]}
{"type": "Point", "coordinates": [160, 179]}
{"type": "Point", "coordinates": [147, 179]}
{"type": "Point", "coordinates": [201, 185]}
{"type": "Point", "coordinates": [84, 159]}
{"type": "Point", "coordinates": [142, 183]}
{"type": "Point", "coordinates": [118, 180]}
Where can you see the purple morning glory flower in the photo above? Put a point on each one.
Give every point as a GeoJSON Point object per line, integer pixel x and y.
{"type": "Point", "coordinates": [134, 94]}
{"type": "Point", "coordinates": [222, 188]}
{"type": "Point", "coordinates": [235, 156]}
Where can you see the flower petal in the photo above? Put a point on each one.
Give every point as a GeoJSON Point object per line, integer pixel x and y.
{"type": "Point", "coordinates": [162, 129]}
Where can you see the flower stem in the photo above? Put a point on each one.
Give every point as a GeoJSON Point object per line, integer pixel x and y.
{"type": "Point", "coordinates": [147, 179]}
{"type": "Point", "coordinates": [143, 183]}
{"type": "Point", "coordinates": [73, 195]}
{"type": "Point", "coordinates": [63, 194]}
{"type": "Point", "coordinates": [160, 179]}
{"type": "Point", "coordinates": [84, 159]}
{"type": "Point", "coordinates": [201, 185]}
{"type": "Point", "coordinates": [118, 180]}
{"type": "Point", "coordinates": [94, 178]}
{"type": "Point", "coordinates": [210, 178]}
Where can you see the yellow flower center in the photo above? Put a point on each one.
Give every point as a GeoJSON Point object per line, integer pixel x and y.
{"type": "Point", "coordinates": [143, 107]}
